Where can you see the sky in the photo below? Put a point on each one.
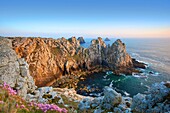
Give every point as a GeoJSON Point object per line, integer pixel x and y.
{"type": "Point", "coordinates": [87, 18]}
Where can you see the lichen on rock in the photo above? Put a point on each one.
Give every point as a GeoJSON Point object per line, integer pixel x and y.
{"type": "Point", "coordinates": [14, 71]}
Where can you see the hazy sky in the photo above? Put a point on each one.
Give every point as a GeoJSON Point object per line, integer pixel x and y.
{"type": "Point", "coordinates": [88, 18]}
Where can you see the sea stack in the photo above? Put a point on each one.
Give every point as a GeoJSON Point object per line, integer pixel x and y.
{"type": "Point", "coordinates": [107, 39]}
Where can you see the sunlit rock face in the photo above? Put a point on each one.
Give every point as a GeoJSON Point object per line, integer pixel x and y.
{"type": "Point", "coordinates": [51, 59]}
{"type": "Point", "coordinates": [114, 57]}
{"type": "Point", "coordinates": [118, 56]}
{"type": "Point", "coordinates": [13, 70]}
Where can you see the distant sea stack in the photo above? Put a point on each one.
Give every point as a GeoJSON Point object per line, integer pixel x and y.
{"type": "Point", "coordinates": [81, 39]}
{"type": "Point", "coordinates": [107, 39]}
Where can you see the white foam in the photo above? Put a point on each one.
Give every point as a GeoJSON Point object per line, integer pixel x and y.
{"type": "Point", "coordinates": [127, 94]}
{"type": "Point", "coordinates": [137, 75]}
{"type": "Point", "coordinates": [105, 76]}
{"type": "Point", "coordinates": [111, 84]}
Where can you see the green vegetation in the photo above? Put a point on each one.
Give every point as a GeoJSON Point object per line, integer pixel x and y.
{"type": "Point", "coordinates": [12, 103]}
{"type": "Point", "coordinates": [77, 58]}
{"type": "Point", "coordinates": [56, 51]}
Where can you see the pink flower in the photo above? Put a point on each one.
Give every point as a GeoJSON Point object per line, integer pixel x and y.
{"type": "Point", "coordinates": [22, 106]}
{"type": "Point", "coordinates": [17, 106]}
{"type": "Point", "coordinates": [1, 102]}
{"type": "Point", "coordinates": [64, 110]}
{"type": "Point", "coordinates": [10, 90]}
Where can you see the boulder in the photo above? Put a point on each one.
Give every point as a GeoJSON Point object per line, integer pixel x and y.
{"type": "Point", "coordinates": [111, 101]}
{"type": "Point", "coordinates": [111, 98]}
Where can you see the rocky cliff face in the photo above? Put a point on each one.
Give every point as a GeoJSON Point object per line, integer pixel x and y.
{"type": "Point", "coordinates": [48, 59]}
{"type": "Point", "coordinates": [113, 57]}
{"type": "Point", "coordinates": [14, 71]}
{"type": "Point", "coordinates": [52, 59]}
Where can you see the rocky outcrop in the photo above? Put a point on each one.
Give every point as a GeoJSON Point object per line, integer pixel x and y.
{"type": "Point", "coordinates": [107, 39]}
{"type": "Point", "coordinates": [113, 57]}
{"type": "Point", "coordinates": [137, 64]}
{"type": "Point", "coordinates": [52, 59]}
{"type": "Point", "coordinates": [157, 99]}
{"type": "Point", "coordinates": [118, 56]}
{"type": "Point", "coordinates": [81, 40]}
{"type": "Point", "coordinates": [14, 71]}
{"type": "Point", "coordinates": [111, 101]}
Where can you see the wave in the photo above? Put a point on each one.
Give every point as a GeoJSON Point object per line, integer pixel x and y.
{"type": "Point", "coordinates": [127, 94]}
{"type": "Point", "coordinates": [105, 76]}
{"type": "Point", "coordinates": [147, 60]}
{"type": "Point", "coordinates": [154, 74]}
{"type": "Point", "coordinates": [122, 92]}
{"type": "Point", "coordinates": [111, 84]}
{"type": "Point", "coordinates": [137, 75]}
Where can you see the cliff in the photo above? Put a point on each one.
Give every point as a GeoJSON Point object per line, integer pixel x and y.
{"type": "Point", "coordinates": [13, 70]}
{"type": "Point", "coordinates": [52, 59]}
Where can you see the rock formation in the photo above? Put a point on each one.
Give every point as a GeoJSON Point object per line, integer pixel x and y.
{"type": "Point", "coordinates": [63, 53]}
{"type": "Point", "coordinates": [81, 40]}
{"type": "Point", "coordinates": [157, 100]}
{"type": "Point", "coordinates": [14, 71]}
{"type": "Point", "coordinates": [52, 59]}
{"type": "Point", "coordinates": [113, 57]}
{"type": "Point", "coordinates": [107, 39]}
{"type": "Point", "coordinates": [111, 101]}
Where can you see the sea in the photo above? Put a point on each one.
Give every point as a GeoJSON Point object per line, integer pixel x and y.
{"type": "Point", "coordinates": [155, 52]}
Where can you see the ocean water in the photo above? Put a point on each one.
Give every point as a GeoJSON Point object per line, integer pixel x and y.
{"type": "Point", "coordinates": [154, 52]}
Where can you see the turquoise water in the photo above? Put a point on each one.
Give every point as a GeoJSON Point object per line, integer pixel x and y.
{"type": "Point", "coordinates": [154, 52]}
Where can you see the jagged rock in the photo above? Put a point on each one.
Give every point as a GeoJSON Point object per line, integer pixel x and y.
{"type": "Point", "coordinates": [137, 64]}
{"type": "Point", "coordinates": [81, 40]}
{"type": "Point", "coordinates": [84, 104]}
{"type": "Point", "coordinates": [51, 59]}
{"type": "Point", "coordinates": [44, 90]}
{"type": "Point", "coordinates": [14, 71]}
{"type": "Point", "coordinates": [99, 110]}
{"type": "Point", "coordinates": [156, 101]}
{"type": "Point", "coordinates": [110, 101]}
{"type": "Point", "coordinates": [111, 98]}
{"type": "Point", "coordinates": [118, 56]}
{"type": "Point", "coordinates": [47, 58]}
